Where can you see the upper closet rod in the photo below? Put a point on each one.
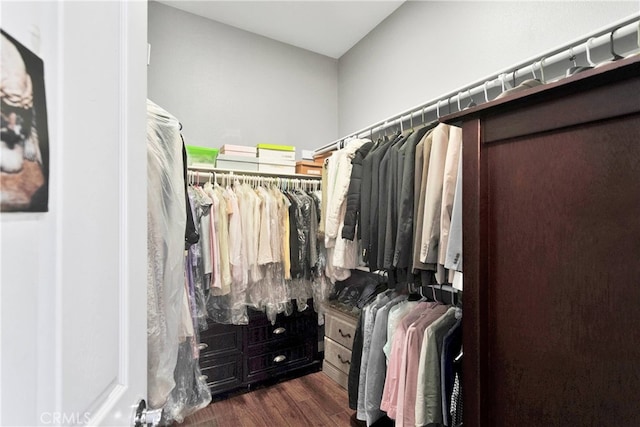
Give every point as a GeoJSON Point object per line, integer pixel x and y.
{"type": "Point", "coordinates": [202, 176]}
{"type": "Point", "coordinates": [251, 173]}
{"type": "Point", "coordinates": [533, 67]}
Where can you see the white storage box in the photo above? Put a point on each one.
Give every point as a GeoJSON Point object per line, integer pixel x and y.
{"type": "Point", "coordinates": [239, 150]}
{"type": "Point", "coordinates": [244, 163]}
{"type": "Point", "coordinates": [276, 152]}
{"type": "Point", "coordinates": [275, 166]}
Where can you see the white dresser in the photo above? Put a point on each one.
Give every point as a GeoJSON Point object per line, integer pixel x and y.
{"type": "Point", "coordinates": [340, 329]}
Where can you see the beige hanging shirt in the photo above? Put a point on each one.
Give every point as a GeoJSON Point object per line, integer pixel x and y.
{"type": "Point", "coordinates": [433, 195]}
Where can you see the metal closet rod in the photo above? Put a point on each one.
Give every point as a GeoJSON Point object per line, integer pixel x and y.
{"type": "Point", "coordinates": [531, 67]}
{"type": "Point", "coordinates": [198, 176]}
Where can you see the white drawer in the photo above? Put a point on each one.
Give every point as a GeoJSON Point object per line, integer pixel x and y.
{"type": "Point", "coordinates": [340, 329]}
{"type": "Point", "coordinates": [337, 355]}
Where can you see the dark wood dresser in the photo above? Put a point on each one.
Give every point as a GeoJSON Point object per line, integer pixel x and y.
{"type": "Point", "coordinates": [552, 253]}
{"type": "Point", "coordinates": [236, 357]}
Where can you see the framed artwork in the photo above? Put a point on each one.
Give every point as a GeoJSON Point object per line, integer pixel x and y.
{"type": "Point", "coordinates": [24, 146]}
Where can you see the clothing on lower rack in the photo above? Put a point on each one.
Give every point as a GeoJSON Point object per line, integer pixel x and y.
{"type": "Point", "coordinates": [414, 384]}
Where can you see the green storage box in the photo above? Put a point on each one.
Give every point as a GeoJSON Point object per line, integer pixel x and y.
{"type": "Point", "coordinates": [201, 155]}
{"type": "Point", "coordinates": [276, 147]}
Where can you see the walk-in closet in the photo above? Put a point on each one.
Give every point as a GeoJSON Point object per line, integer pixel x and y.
{"type": "Point", "coordinates": [371, 213]}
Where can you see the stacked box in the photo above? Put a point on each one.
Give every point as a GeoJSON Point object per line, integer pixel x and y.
{"type": "Point", "coordinates": [243, 163]}
{"type": "Point", "coordinates": [276, 152]}
{"type": "Point", "coordinates": [320, 158]}
{"type": "Point", "coordinates": [276, 166]}
{"type": "Point", "coordinates": [307, 167]}
{"type": "Point", "coordinates": [239, 150]}
{"type": "Point", "coordinates": [201, 156]}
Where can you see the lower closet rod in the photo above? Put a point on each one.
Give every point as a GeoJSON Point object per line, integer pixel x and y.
{"type": "Point", "coordinates": [602, 37]}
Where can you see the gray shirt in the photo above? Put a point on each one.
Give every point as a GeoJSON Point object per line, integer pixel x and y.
{"type": "Point", "coordinates": [370, 312]}
{"type": "Point", "coordinates": [377, 365]}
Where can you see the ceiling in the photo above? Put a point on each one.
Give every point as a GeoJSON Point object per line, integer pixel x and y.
{"type": "Point", "coordinates": [327, 27]}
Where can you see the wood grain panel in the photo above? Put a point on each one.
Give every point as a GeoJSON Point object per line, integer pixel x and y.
{"type": "Point", "coordinates": [551, 254]}
{"type": "Point", "coordinates": [563, 274]}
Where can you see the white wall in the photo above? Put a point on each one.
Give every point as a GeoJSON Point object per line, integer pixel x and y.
{"type": "Point", "coordinates": [229, 86]}
{"type": "Point", "coordinates": [28, 243]}
{"type": "Point", "coordinates": [63, 273]}
{"type": "Point", "coordinates": [428, 48]}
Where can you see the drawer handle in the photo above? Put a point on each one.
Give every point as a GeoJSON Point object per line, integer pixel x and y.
{"type": "Point", "coordinates": [202, 346]}
{"type": "Point", "coordinates": [278, 331]}
{"type": "Point", "coordinates": [343, 361]}
{"type": "Point", "coordinates": [347, 335]}
{"type": "Point", "coordinates": [280, 358]}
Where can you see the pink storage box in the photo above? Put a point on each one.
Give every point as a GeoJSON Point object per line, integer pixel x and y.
{"type": "Point", "coordinates": [239, 150]}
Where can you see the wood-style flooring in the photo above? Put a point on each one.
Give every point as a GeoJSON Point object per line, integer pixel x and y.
{"type": "Point", "coordinates": [312, 400]}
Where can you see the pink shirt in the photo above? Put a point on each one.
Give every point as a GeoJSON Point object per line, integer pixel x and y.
{"type": "Point", "coordinates": [390, 392]}
{"type": "Point", "coordinates": [408, 383]}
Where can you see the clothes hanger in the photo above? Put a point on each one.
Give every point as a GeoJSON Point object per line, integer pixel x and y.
{"type": "Point", "coordinates": [542, 79]}
{"type": "Point", "coordinates": [587, 48]}
{"type": "Point", "coordinates": [611, 49]}
{"type": "Point", "coordinates": [471, 103]}
{"type": "Point", "coordinates": [575, 69]}
{"type": "Point", "coordinates": [533, 71]}
{"type": "Point", "coordinates": [413, 295]}
{"type": "Point", "coordinates": [502, 84]}
{"type": "Point", "coordinates": [433, 291]}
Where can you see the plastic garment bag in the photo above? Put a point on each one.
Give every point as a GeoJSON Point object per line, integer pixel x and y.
{"type": "Point", "coordinates": [321, 284]}
{"type": "Point", "coordinates": [227, 305]}
{"type": "Point", "coordinates": [197, 254]}
{"type": "Point", "coordinates": [191, 392]}
{"type": "Point", "coordinates": [166, 222]}
{"type": "Point", "coordinates": [175, 300]}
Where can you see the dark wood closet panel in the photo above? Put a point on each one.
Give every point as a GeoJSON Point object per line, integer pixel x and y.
{"type": "Point", "coordinates": [552, 253]}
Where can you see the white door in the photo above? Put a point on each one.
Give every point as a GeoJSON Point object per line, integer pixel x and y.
{"type": "Point", "coordinates": [73, 341]}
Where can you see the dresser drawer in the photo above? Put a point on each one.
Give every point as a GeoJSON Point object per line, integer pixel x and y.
{"type": "Point", "coordinates": [219, 339]}
{"type": "Point", "coordinates": [297, 326]}
{"type": "Point", "coordinates": [222, 372]}
{"type": "Point", "coordinates": [263, 365]}
{"type": "Point", "coordinates": [340, 329]}
{"type": "Point", "coordinates": [338, 355]}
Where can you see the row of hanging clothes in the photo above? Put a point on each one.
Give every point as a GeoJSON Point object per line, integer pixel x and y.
{"type": "Point", "coordinates": [406, 365]}
{"type": "Point", "coordinates": [217, 245]}
{"type": "Point", "coordinates": [258, 246]}
{"type": "Point", "coordinates": [395, 205]}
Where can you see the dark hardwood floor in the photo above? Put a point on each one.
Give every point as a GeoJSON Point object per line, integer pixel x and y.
{"type": "Point", "coordinates": [311, 400]}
